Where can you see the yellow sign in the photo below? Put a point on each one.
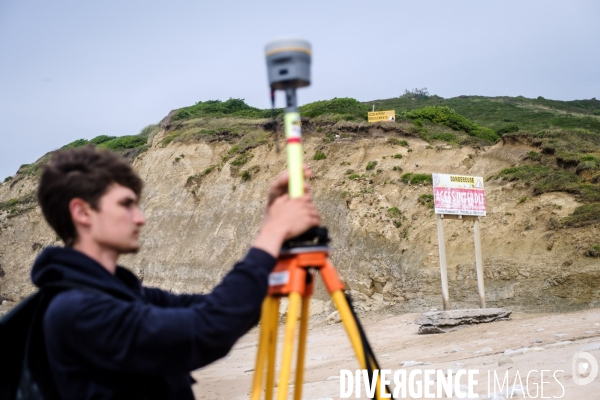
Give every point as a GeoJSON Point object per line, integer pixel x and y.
{"type": "Point", "coordinates": [377, 116]}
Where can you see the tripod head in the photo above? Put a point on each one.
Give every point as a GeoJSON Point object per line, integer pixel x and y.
{"type": "Point", "coordinates": [314, 239]}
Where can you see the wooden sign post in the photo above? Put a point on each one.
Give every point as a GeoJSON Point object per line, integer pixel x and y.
{"type": "Point", "coordinates": [459, 197]}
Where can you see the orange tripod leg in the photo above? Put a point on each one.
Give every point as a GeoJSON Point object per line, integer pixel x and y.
{"type": "Point", "coordinates": [290, 279]}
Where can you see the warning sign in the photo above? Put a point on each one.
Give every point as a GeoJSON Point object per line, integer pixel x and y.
{"type": "Point", "coordinates": [377, 116]}
{"type": "Point", "coordinates": [458, 194]}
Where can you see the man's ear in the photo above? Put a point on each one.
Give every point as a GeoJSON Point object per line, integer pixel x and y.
{"type": "Point", "coordinates": [80, 212]}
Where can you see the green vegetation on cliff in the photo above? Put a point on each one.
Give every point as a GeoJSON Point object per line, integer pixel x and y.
{"type": "Point", "coordinates": [506, 113]}
{"type": "Point", "coordinates": [565, 133]}
{"type": "Point", "coordinates": [117, 143]}
{"type": "Point", "coordinates": [446, 116]}
{"type": "Point", "coordinates": [18, 206]}
{"type": "Point", "coordinates": [218, 108]}
{"type": "Point", "coordinates": [346, 109]}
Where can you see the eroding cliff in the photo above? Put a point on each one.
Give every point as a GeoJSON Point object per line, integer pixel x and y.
{"type": "Point", "coordinates": [204, 198]}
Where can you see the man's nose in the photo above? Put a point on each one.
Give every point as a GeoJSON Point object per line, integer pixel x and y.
{"type": "Point", "coordinates": [139, 217]}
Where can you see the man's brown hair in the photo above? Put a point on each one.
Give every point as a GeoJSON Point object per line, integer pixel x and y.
{"type": "Point", "coordinates": [84, 173]}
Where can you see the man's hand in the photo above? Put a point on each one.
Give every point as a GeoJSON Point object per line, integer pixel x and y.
{"type": "Point", "coordinates": [279, 186]}
{"type": "Point", "coordinates": [285, 218]}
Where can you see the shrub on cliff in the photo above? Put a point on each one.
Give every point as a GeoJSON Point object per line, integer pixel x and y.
{"type": "Point", "coordinates": [348, 108]}
{"type": "Point", "coordinates": [448, 117]}
{"type": "Point", "coordinates": [216, 108]}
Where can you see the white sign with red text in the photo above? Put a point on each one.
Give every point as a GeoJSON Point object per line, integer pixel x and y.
{"type": "Point", "coordinates": [458, 194]}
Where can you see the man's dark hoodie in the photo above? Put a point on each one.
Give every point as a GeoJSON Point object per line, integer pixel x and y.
{"type": "Point", "coordinates": [138, 342]}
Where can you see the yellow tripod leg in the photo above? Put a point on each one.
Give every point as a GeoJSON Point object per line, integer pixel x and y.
{"type": "Point", "coordinates": [378, 383]}
{"type": "Point", "coordinates": [350, 325]}
{"type": "Point", "coordinates": [288, 345]}
{"type": "Point", "coordinates": [273, 326]}
{"type": "Point", "coordinates": [301, 348]}
{"type": "Point", "coordinates": [265, 321]}
{"type": "Point", "coordinates": [352, 330]}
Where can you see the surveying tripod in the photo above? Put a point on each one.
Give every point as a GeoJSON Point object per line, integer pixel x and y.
{"type": "Point", "coordinates": [288, 66]}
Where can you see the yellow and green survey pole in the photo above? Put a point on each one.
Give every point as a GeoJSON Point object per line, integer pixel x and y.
{"type": "Point", "coordinates": [293, 136]}
{"type": "Point", "coordinates": [288, 68]}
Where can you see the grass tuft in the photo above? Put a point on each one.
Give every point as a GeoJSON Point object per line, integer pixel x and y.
{"type": "Point", "coordinates": [426, 200]}
{"type": "Point", "coordinates": [18, 206]}
{"type": "Point", "coordinates": [241, 159]}
{"type": "Point", "coordinates": [371, 165]}
{"type": "Point", "coordinates": [416, 179]}
{"type": "Point", "coordinates": [319, 155]}
{"type": "Point", "coordinates": [584, 215]}
{"type": "Point", "coordinates": [394, 212]}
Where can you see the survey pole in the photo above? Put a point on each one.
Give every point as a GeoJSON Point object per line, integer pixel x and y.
{"type": "Point", "coordinates": [443, 266]}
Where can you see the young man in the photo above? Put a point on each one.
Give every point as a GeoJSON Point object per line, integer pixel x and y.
{"type": "Point", "coordinates": [114, 338]}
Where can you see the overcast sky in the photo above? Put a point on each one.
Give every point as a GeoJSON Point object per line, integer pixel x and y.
{"type": "Point", "coordinates": [78, 69]}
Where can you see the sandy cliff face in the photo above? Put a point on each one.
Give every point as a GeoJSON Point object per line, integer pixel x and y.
{"type": "Point", "coordinates": [198, 227]}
